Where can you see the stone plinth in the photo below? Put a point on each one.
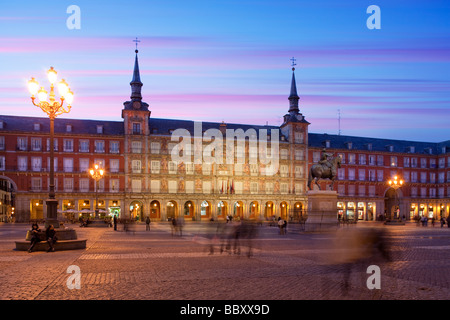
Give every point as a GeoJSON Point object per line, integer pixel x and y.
{"type": "Point", "coordinates": [322, 211]}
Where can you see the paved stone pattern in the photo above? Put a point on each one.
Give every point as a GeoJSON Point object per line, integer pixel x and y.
{"type": "Point", "coordinates": [156, 265]}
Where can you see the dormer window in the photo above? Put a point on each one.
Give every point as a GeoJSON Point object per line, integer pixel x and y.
{"type": "Point", "coordinates": [37, 127]}
{"type": "Point", "coordinates": [2, 124]}
{"type": "Point", "coordinates": [390, 148]}
{"type": "Point", "coordinates": [327, 144]}
{"type": "Point", "coordinates": [412, 149]}
{"type": "Point", "coordinates": [99, 129]}
{"type": "Point", "coordinates": [68, 128]}
{"type": "Point", "coordinates": [349, 145]}
{"type": "Point", "coordinates": [369, 146]}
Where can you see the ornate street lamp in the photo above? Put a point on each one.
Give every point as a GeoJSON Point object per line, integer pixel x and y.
{"type": "Point", "coordinates": [96, 174]}
{"type": "Point", "coordinates": [396, 183]}
{"type": "Point", "coordinates": [53, 109]}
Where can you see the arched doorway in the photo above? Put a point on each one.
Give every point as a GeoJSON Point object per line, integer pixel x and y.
{"type": "Point", "coordinates": [238, 210]}
{"type": "Point", "coordinates": [269, 210]}
{"type": "Point", "coordinates": [171, 209]}
{"type": "Point", "coordinates": [253, 210]}
{"type": "Point", "coordinates": [155, 210]}
{"type": "Point", "coordinates": [284, 210]}
{"type": "Point", "coordinates": [189, 209]}
{"type": "Point", "coordinates": [222, 209]}
{"type": "Point", "coordinates": [205, 210]}
{"type": "Point", "coordinates": [36, 210]}
{"type": "Point", "coordinates": [136, 210]}
{"type": "Point", "coordinates": [298, 211]}
{"type": "Point", "coordinates": [392, 203]}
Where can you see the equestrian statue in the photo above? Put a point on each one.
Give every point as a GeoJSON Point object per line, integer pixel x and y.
{"type": "Point", "coordinates": [325, 168]}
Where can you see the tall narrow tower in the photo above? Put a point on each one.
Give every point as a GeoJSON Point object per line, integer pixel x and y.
{"type": "Point", "coordinates": [135, 116]}
{"type": "Point", "coordinates": [295, 131]}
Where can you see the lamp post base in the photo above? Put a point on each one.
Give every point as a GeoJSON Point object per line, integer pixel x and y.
{"type": "Point", "coordinates": [52, 213]}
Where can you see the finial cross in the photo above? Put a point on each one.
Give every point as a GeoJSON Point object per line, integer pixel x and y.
{"type": "Point", "coordinates": [293, 64]}
{"type": "Point", "coordinates": [136, 41]}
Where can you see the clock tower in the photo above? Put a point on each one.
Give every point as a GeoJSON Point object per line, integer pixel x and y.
{"type": "Point", "coordinates": [295, 131]}
{"type": "Point", "coordinates": [136, 152]}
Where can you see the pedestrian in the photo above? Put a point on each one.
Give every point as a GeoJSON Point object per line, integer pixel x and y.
{"type": "Point", "coordinates": [432, 221]}
{"type": "Point", "coordinates": [50, 235]}
{"type": "Point", "coordinates": [174, 226]}
{"type": "Point", "coordinates": [115, 222]}
{"type": "Point", "coordinates": [147, 224]}
{"type": "Point", "coordinates": [281, 225]}
{"type": "Point", "coordinates": [442, 221]}
{"type": "Point", "coordinates": [35, 238]}
{"type": "Point", "coordinates": [285, 226]}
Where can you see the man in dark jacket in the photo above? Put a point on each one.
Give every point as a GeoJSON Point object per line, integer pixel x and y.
{"type": "Point", "coordinates": [50, 235]}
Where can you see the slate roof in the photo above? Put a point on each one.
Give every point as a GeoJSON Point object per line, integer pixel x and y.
{"type": "Point", "coordinates": [362, 143]}
{"type": "Point", "coordinates": [26, 124]}
{"type": "Point", "coordinates": [163, 127]}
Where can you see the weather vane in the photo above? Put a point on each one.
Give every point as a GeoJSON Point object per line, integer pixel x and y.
{"type": "Point", "coordinates": [293, 64]}
{"type": "Point", "coordinates": [136, 41]}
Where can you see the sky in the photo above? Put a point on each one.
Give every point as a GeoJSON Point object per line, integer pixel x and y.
{"type": "Point", "coordinates": [229, 60]}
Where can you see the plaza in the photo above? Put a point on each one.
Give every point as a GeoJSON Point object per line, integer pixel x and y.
{"type": "Point", "coordinates": [160, 265]}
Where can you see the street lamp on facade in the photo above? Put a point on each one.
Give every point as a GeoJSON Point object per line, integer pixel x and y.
{"type": "Point", "coordinates": [97, 174]}
{"type": "Point", "coordinates": [396, 183]}
{"type": "Point", "coordinates": [52, 108]}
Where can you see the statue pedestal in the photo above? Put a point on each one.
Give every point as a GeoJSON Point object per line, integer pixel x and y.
{"type": "Point", "coordinates": [322, 211]}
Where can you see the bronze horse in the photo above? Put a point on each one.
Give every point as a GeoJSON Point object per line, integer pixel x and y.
{"type": "Point", "coordinates": [324, 171]}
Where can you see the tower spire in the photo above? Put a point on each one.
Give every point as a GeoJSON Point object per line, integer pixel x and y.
{"type": "Point", "coordinates": [135, 103]}
{"type": "Point", "coordinates": [293, 96]}
{"type": "Point", "coordinates": [136, 83]}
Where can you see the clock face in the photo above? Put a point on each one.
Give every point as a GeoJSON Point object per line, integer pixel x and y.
{"type": "Point", "coordinates": [136, 105]}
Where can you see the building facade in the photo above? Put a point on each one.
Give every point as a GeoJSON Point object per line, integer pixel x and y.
{"type": "Point", "coordinates": [164, 168]}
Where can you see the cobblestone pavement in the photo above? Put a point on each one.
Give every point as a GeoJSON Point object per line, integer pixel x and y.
{"type": "Point", "coordinates": [157, 265]}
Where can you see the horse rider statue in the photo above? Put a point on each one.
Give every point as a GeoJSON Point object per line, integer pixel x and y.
{"type": "Point", "coordinates": [325, 159]}
{"type": "Point", "coordinates": [325, 168]}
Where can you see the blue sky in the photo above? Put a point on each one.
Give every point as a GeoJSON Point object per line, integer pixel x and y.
{"type": "Point", "coordinates": [229, 61]}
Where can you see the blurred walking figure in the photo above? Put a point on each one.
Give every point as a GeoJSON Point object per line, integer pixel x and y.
{"type": "Point", "coordinates": [281, 225]}
{"type": "Point", "coordinates": [247, 232]}
{"type": "Point", "coordinates": [115, 222]}
{"type": "Point", "coordinates": [359, 249]}
{"type": "Point", "coordinates": [50, 235]}
{"type": "Point", "coordinates": [35, 238]}
{"type": "Point", "coordinates": [174, 226]}
{"type": "Point", "coordinates": [180, 225]}
{"type": "Point", "coordinates": [147, 224]}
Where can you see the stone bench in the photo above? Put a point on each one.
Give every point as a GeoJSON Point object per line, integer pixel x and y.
{"type": "Point", "coordinates": [60, 245]}
{"type": "Point", "coordinates": [66, 240]}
